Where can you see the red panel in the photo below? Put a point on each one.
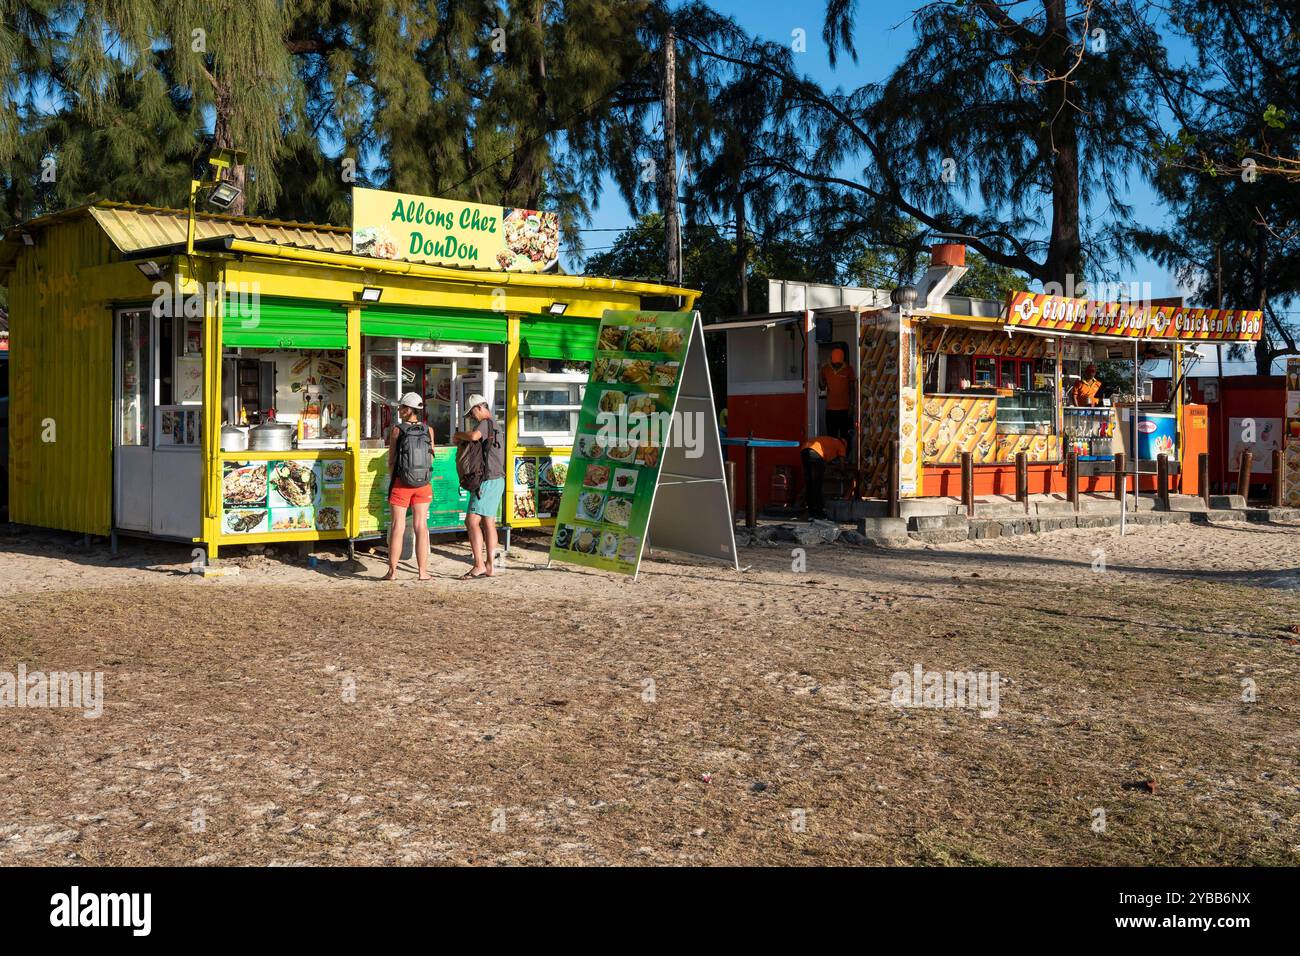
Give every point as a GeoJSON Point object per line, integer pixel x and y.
{"type": "Point", "coordinates": [1242, 396]}
{"type": "Point", "coordinates": [765, 416]}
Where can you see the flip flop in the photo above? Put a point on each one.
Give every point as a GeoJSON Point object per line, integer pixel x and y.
{"type": "Point", "coordinates": [471, 576]}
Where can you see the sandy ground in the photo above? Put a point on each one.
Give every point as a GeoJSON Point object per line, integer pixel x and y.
{"type": "Point", "coordinates": [294, 715]}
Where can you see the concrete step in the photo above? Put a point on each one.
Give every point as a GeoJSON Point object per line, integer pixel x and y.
{"type": "Point", "coordinates": [1228, 502]}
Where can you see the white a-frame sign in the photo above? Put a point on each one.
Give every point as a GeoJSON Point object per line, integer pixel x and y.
{"type": "Point", "coordinates": [647, 467]}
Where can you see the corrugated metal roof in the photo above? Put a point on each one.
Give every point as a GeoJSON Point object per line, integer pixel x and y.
{"type": "Point", "coordinates": [133, 228]}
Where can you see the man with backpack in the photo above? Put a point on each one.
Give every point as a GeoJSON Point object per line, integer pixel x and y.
{"type": "Point", "coordinates": [410, 466]}
{"type": "Point", "coordinates": [480, 464]}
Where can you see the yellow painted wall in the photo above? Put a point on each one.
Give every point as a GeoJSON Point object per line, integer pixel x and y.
{"type": "Point", "coordinates": [60, 376]}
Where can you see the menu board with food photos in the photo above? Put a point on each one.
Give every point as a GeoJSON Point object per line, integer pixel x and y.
{"type": "Point", "coordinates": [282, 496]}
{"type": "Point", "coordinates": [625, 434]}
{"type": "Point", "coordinates": [538, 486]}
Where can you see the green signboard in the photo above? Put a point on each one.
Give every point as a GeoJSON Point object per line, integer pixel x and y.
{"type": "Point", "coordinates": [623, 432]}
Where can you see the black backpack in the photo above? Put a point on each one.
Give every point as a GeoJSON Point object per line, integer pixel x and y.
{"type": "Point", "coordinates": [414, 455]}
{"type": "Point", "coordinates": [472, 459]}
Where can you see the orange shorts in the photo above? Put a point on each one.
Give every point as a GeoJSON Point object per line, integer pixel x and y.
{"type": "Point", "coordinates": [403, 496]}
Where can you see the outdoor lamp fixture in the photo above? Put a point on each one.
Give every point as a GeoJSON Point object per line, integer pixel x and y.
{"type": "Point", "coordinates": [223, 195]}
{"type": "Point", "coordinates": [28, 239]}
{"type": "Point", "coordinates": [152, 271]}
{"type": "Point", "coordinates": [557, 308]}
{"type": "Point", "coordinates": [371, 293]}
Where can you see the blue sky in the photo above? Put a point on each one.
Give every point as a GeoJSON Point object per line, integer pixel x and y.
{"type": "Point", "coordinates": [883, 37]}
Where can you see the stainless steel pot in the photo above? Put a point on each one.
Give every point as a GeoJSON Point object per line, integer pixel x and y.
{"type": "Point", "coordinates": [234, 438]}
{"type": "Point", "coordinates": [271, 436]}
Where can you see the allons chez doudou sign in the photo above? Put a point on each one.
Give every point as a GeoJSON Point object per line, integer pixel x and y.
{"type": "Point", "coordinates": [390, 225]}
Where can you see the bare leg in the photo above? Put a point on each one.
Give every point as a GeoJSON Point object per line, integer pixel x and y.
{"type": "Point", "coordinates": [396, 530]}
{"type": "Point", "coordinates": [420, 515]}
{"type": "Point", "coordinates": [490, 534]}
{"type": "Point", "coordinates": [474, 523]}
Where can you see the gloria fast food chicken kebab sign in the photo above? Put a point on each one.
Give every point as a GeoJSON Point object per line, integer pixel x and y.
{"type": "Point", "coordinates": [388, 225]}
{"type": "Point", "coordinates": [1132, 319]}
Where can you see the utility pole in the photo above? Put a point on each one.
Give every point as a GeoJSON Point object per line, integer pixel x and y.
{"type": "Point", "coordinates": [741, 253]}
{"type": "Point", "coordinates": [668, 192]}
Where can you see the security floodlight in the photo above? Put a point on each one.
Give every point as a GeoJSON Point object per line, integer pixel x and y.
{"type": "Point", "coordinates": [371, 293]}
{"type": "Point", "coordinates": [224, 195]}
{"type": "Point", "coordinates": [152, 271]}
{"type": "Point", "coordinates": [557, 308]}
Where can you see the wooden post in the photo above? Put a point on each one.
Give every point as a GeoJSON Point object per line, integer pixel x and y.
{"type": "Point", "coordinates": [1120, 478]}
{"type": "Point", "coordinates": [1243, 473]}
{"type": "Point", "coordinates": [1162, 481]}
{"type": "Point", "coordinates": [1203, 476]}
{"type": "Point", "coordinates": [1022, 478]}
{"type": "Point", "coordinates": [1072, 478]}
{"type": "Point", "coordinates": [1279, 479]}
{"type": "Point", "coordinates": [968, 483]}
{"type": "Point", "coordinates": [894, 508]}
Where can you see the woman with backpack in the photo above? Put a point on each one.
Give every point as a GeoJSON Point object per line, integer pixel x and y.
{"type": "Point", "coordinates": [410, 468]}
{"type": "Point", "coordinates": [480, 463]}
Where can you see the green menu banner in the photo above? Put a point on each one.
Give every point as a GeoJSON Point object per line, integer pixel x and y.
{"type": "Point", "coordinates": [622, 434]}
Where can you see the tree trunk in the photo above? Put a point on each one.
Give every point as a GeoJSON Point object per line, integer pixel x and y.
{"type": "Point", "coordinates": [1264, 351]}
{"type": "Point", "coordinates": [1064, 250]}
{"type": "Point", "coordinates": [223, 137]}
{"type": "Point", "coordinates": [668, 182]}
{"type": "Point", "coordinates": [742, 254]}
{"type": "Point", "coordinates": [524, 185]}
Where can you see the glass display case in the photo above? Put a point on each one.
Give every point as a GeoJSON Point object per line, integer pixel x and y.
{"type": "Point", "coordinates": [1029, 412]}
{"type": "Point", "coordinates": [549, 404]}
{"type": "Point", "coordinates": [1089, 431]}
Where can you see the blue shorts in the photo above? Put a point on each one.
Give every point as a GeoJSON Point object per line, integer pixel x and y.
{"type": "Point", "coordinates": [487, 500]}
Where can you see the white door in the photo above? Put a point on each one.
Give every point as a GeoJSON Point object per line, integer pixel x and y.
{"type": "Point", "coordinates": [133, 421]}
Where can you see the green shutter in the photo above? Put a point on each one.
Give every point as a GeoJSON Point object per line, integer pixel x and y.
{"type": "Point", "coordinates": [559, 337]}
{"type": "Point", "coordinates": [284, 324]}
{"type": "Point", "coordinates": [436, 325]}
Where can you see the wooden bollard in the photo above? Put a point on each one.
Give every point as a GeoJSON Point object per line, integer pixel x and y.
{"type": "Point", "coordinates": [1072, 478]}
{"type": "Point", "coordinates": [1203, 476]}
{"type": "Point", "coordinates": [1120, 478]}
{"type": "Point", "coordinates": [1162, 481]}
{"type": "Point", "coordinates": [1279, 479]}
{"type": "Point", "coordinates": [968, 483]}
{"type": "Point", "coordinates": [1243, 473]}
{"type": "Point", "coordinates": [894, 509]}
{"type": "Point", "coordinates": [1022, 478]}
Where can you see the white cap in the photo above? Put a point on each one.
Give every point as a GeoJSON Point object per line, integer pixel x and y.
{"type": "Point", "coordinates": [412, 400]}
{"type": "Point", "coordinates": [473, 402]}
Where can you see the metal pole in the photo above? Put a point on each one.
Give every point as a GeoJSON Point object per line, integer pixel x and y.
{"type": "Point", "coordinates": [1072, 478]}
{"type": "Point", "coordinates": [751, 485]}
{"type": "Point", "coordinates": [1162, 480]}
{"type": "Point", "coordinates": [731, 488]}
{"type": "Point", "coordinates": [1203, 476]}
{"type": "Point", "coordinates": [1243, 473]}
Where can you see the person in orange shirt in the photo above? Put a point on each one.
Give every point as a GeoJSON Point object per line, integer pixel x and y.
{"type": "Point", "coordinates": [1086, 389]}
{"type": "Point", "coordinates": [837, 378]}
{"type": "Point", "coordinates": [815, 453]}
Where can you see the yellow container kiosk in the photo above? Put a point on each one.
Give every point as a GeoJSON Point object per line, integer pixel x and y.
{"type": "Point", "coordinates": [240, 393]}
